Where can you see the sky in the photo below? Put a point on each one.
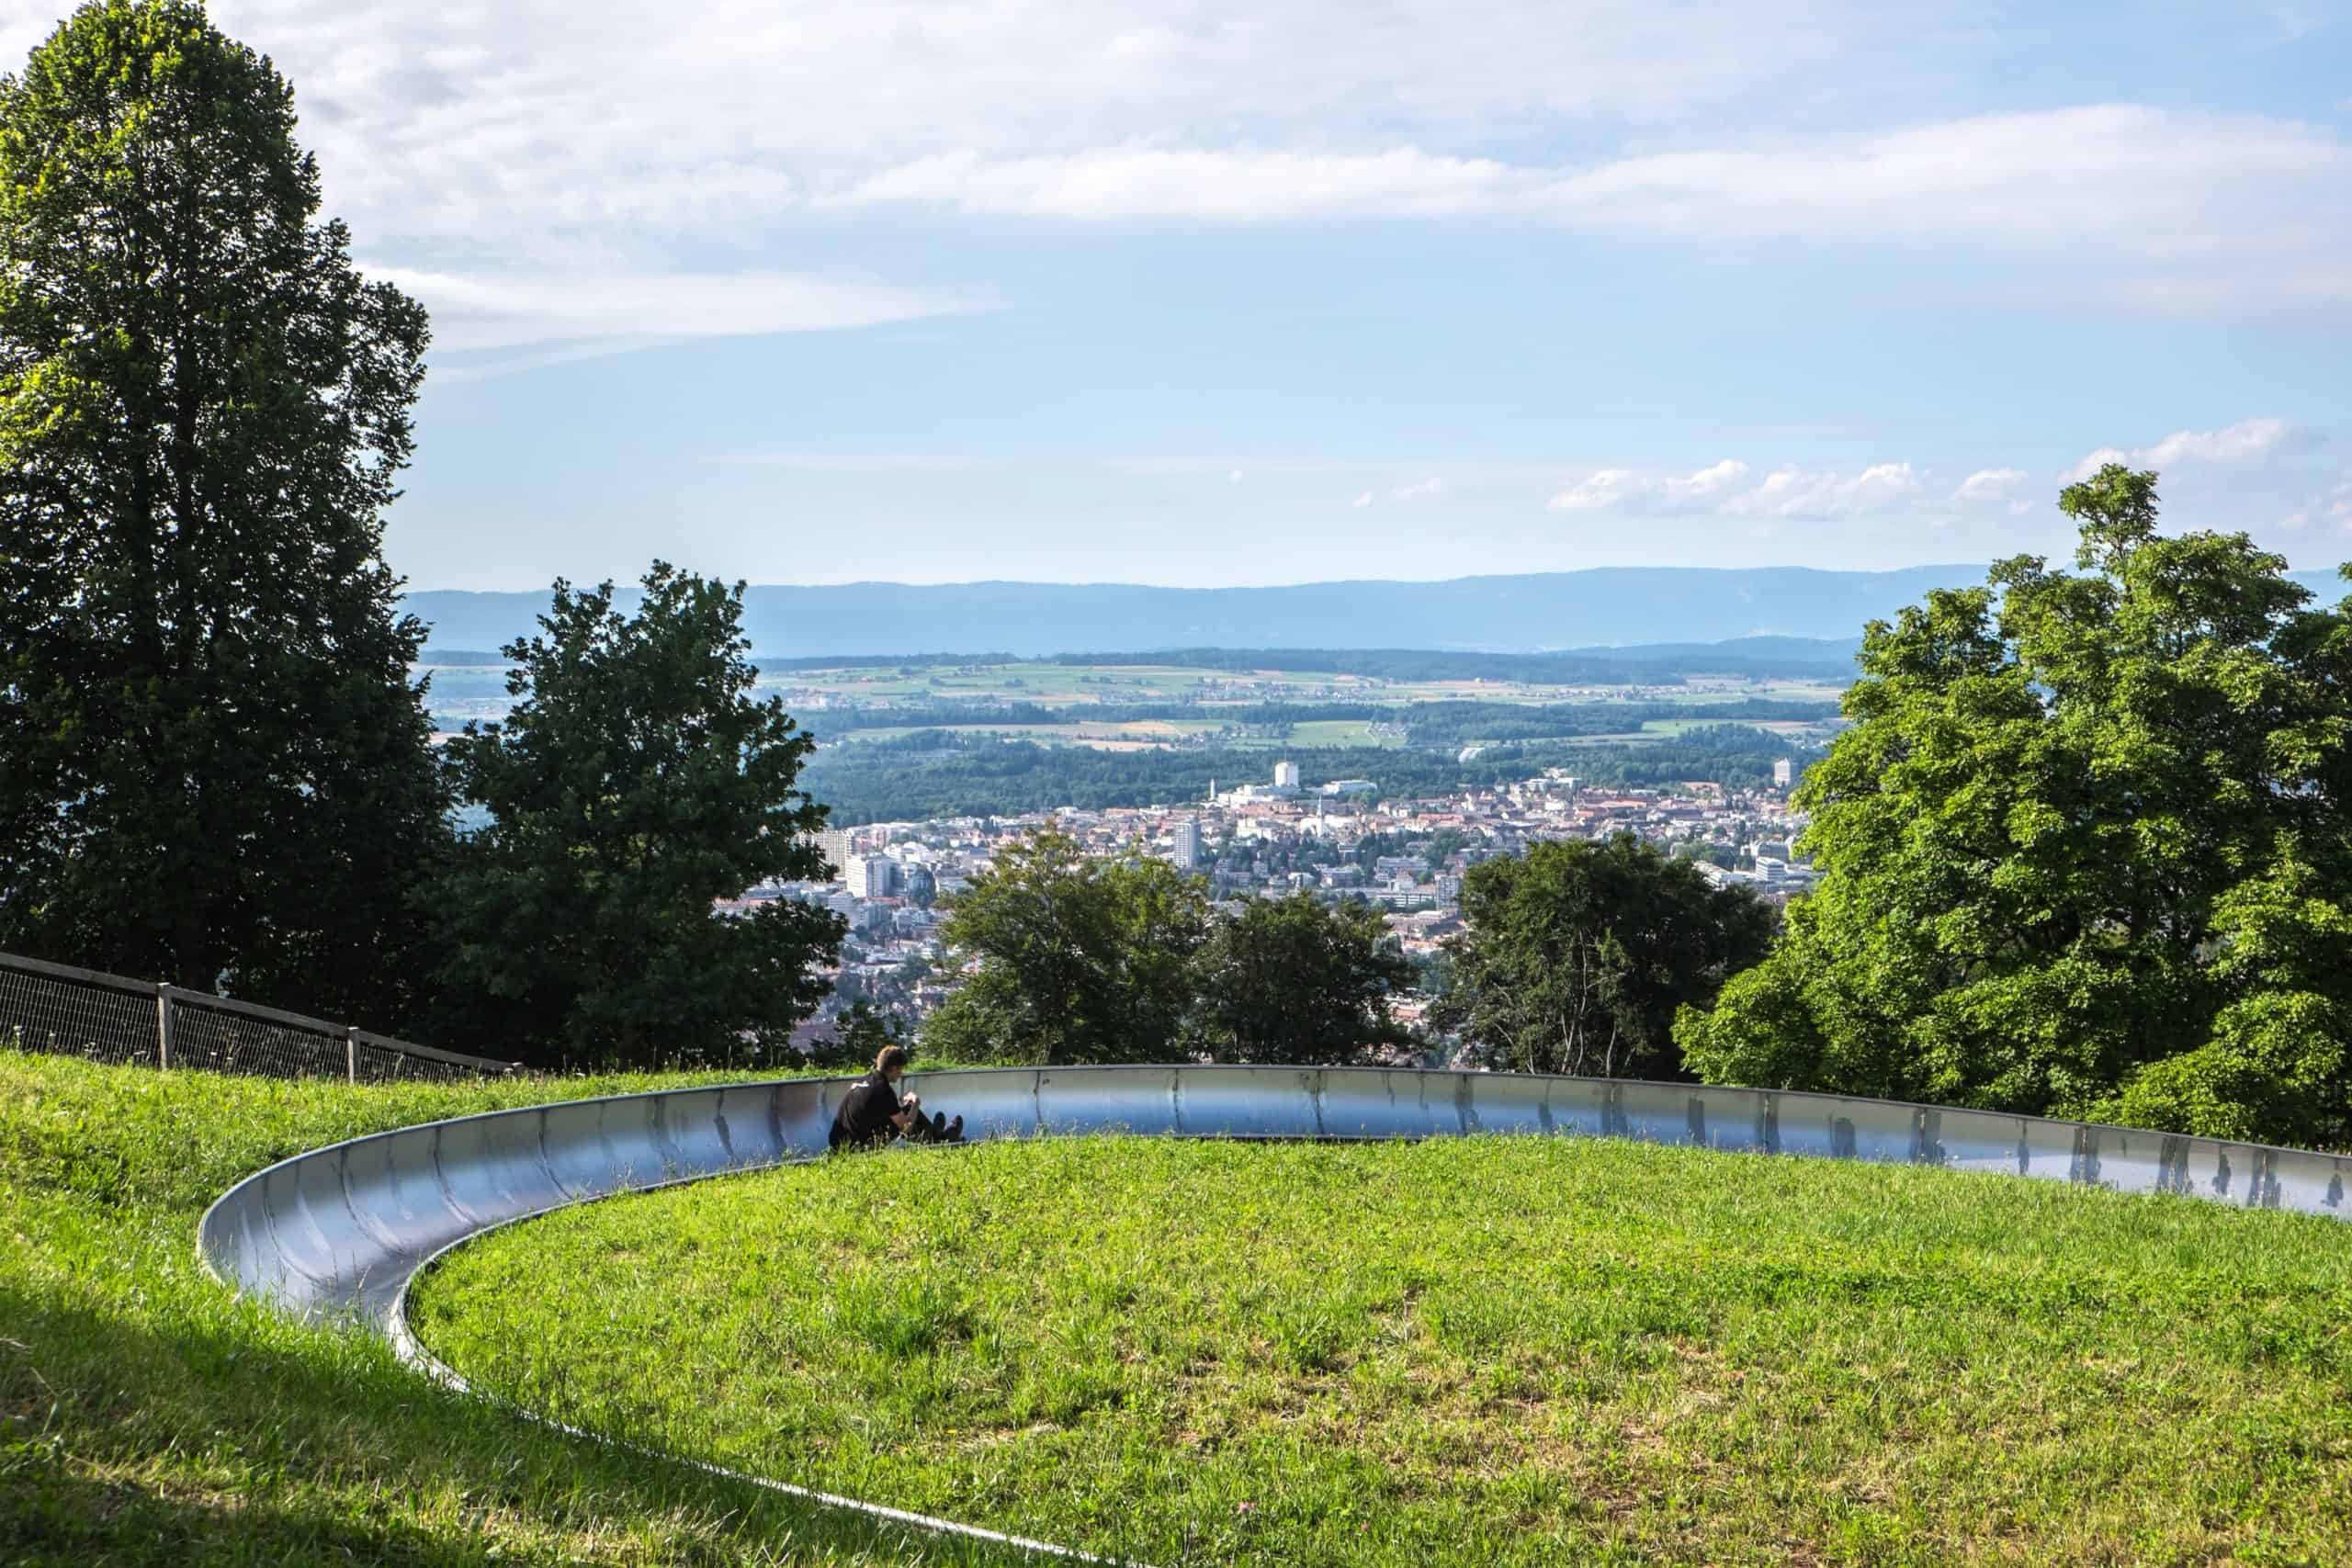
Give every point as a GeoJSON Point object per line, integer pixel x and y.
{"type": "Point", "coordinates": [1199, 293]}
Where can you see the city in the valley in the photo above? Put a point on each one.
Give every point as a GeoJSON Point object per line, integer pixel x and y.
{"type": "Point", "coordinates": [1338, 840]}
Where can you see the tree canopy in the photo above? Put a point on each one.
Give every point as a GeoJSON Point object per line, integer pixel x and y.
{"type": "Point", "coordinates": [2085, 850]}
{"type": "Point", "coordinates": [1578, 953]}
{"type": "Point", "coordinates": [636, 782]}
{"type": "Point", "coordinates": [1076, 959]}
{"type": "Point", "coordinates": [1296, 980]}
{"type": "Point", "coordinates": [212, 766]}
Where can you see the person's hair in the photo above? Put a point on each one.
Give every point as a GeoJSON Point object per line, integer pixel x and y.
{"type": "Point", "coordinates": [890, 1056]}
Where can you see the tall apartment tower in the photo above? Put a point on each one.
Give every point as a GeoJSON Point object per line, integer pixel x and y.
{"type": "Point", "coordinates": [1188, 845]}
{"type": "Point", "coordinates": [1783, 771]}
{"type": "Point", "coordinates": [1286, 775]}
{"type": "Point", "coordinates": [838, 845]}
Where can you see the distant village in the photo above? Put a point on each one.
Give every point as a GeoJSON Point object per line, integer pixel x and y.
{"type": "Point", "coordinates": [1338, 840]}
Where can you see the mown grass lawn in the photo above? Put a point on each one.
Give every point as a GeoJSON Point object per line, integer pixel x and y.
{"type": "Point", "coordinates": [149, 1417]}
{"type": "Point", "coordinates": [1458, 1351]}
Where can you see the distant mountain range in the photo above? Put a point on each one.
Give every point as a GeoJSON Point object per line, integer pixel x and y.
{"type": "Point", "coordinates": [1534, 613]}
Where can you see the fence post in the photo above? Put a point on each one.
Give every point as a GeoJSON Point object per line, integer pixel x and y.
{"type": "Point", "coordinates": [163, 1024]}
{"type": "Point", "coordinates": [351, 1053]}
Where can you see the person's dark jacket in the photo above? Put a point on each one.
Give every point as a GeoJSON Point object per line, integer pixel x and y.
{"type": "Point", "coordinates": [864, 1115]}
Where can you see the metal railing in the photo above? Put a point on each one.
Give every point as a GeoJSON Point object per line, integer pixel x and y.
{"type": "Point", "coordinates": [62, 1011]}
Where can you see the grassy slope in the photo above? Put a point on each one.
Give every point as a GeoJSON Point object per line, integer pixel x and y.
{"type": "Point", "coordinates": [1513, 1351]}
{"type": "Point", "coordinates": [146, 1415]}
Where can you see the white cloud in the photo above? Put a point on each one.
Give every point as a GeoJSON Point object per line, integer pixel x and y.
{"type": "Point", "coordinates": [2049, 175]}
{"type": "Point", "coordinates": [1611, 490]}
{"type": "Point", "coordinates": [1723, 490]}
{"type": "Point", "coordinates": [2248, 441]}
{"type": "Point", "coordinates": [1166, 466]}
{"type": "Point", "coordinates": [2186, 210]}
{"type": "Point", "coordinates": [1990, 484]}
{"type": "Point", "coordinates": [2286, 279]}
{"type": "Point", "coordinates": [2094, 461]}
{"type": "Point", "coordinates": [1799, 493]}
{"type": "Point", "coordinates": [1401, 470]}
{"type": "Point", "coordinates": [540, 121]}
{"type": "Point", "coordinates": [1603, 489]}
{"type": "Point", "coordinates": [1993, 487]}
{"type": "Point", "coordinates": [610, 312]}
{"type": "Point", "coordinates": [2288, 19]}
{"type": "Point", "coordinates": [445, 373]}
{"type": "Point", "coordinates": [614, 136]}
{"type": "Point", "coordinates": [2133, 174]}
{"type": "Point", "coordinates": [1211, 186]}
{"type": "Point", "coordinates": [1432, 488]}
{"type": "Point", "coordinates": [863, 462]}
{"type": "Point", "coordinates": [1708, 481]}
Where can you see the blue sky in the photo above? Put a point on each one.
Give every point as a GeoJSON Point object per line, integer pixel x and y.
{"type": "Point", "coordinates": [1200, 293]}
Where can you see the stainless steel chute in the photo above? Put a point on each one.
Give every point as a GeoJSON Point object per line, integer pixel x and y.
{"type": "Point", "coordinates": [340, 1230]}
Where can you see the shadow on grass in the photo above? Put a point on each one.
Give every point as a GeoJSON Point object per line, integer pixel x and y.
{"type": "Point", "coordinates": [50, 1516]}
{"type": "Point", "coordinates": [225, 1435]}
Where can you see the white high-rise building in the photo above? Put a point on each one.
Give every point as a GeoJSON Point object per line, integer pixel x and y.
{"type": "Point", "coordinates": [1781, 772]}
{"type": "Point", "coordinates": [1286, 775]}
{"type": "Point", "coordinates": [871, 876]}
{"type": "Point", "coordinates": [1188, 845]}
{"type": "Point", "coordinates": [838, 845]}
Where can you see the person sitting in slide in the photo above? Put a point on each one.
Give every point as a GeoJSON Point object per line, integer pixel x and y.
{"type": "Point", "coordinates": [872, 1112]}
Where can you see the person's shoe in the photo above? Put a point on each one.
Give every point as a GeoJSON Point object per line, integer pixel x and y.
{"type": "Point", "coordinates": [956, 1131]}
{"type": "Point", "coordinates": [938, 1126]}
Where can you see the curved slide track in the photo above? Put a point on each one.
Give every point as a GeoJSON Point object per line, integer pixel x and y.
{"type": "Point", "coordinates": [341, 1231]}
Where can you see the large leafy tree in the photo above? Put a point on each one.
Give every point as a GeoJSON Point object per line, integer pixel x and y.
{"type": "Point", "coordinates": [636, 782]}
{"type": "Point", "coordinates": [212, 765]}
{"type": "Point", "coordinates": [2085, 850]}
{"type": "Point", "coordinates": [1074, 959]}
{"type": "Point", "coordinates": [1579, 953]}
{"type": "Point", "coordinates": [1298, 981]}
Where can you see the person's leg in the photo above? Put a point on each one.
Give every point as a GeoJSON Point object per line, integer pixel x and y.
{"type": "Point", "coordinates": [938, 1129]}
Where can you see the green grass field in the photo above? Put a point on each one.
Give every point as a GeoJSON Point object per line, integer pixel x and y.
{"type": "Point", "coordinates": [149, 1417]}
{"type": "Point", "coordinates": [1328, 732]}
{"type": "Point", "coordinates": [1459, 1351]}
{"type": "Point", "coordinates": [1653, 730]}
{"type": "Point", "coordinates": [869, 704]}
{"type": "Point", "coordinates": [1059, 685]}
{"type": "Point", "coordinates": [1127, 735]}
{"type": "Point", "coordinates": [466, 692]}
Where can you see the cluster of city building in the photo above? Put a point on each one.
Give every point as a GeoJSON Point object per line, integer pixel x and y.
{"type": "Point", "coordinates": [1336, 840]}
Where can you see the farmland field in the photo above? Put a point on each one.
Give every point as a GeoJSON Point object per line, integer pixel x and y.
{"type": "Point", "coordinates": [909, 742]}
{"type": "Point", "coordinates": [463, 691]}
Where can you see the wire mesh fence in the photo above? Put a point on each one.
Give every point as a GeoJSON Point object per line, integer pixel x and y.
{"type": "Point", "coordinates": [71, 1012]}
{"type": "Point", "coordinates": [229, 1040]}
{"type": "Point", "coordinates": [376, 1060]}
{"type": "Point", "coordinates": [61, 1010]}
